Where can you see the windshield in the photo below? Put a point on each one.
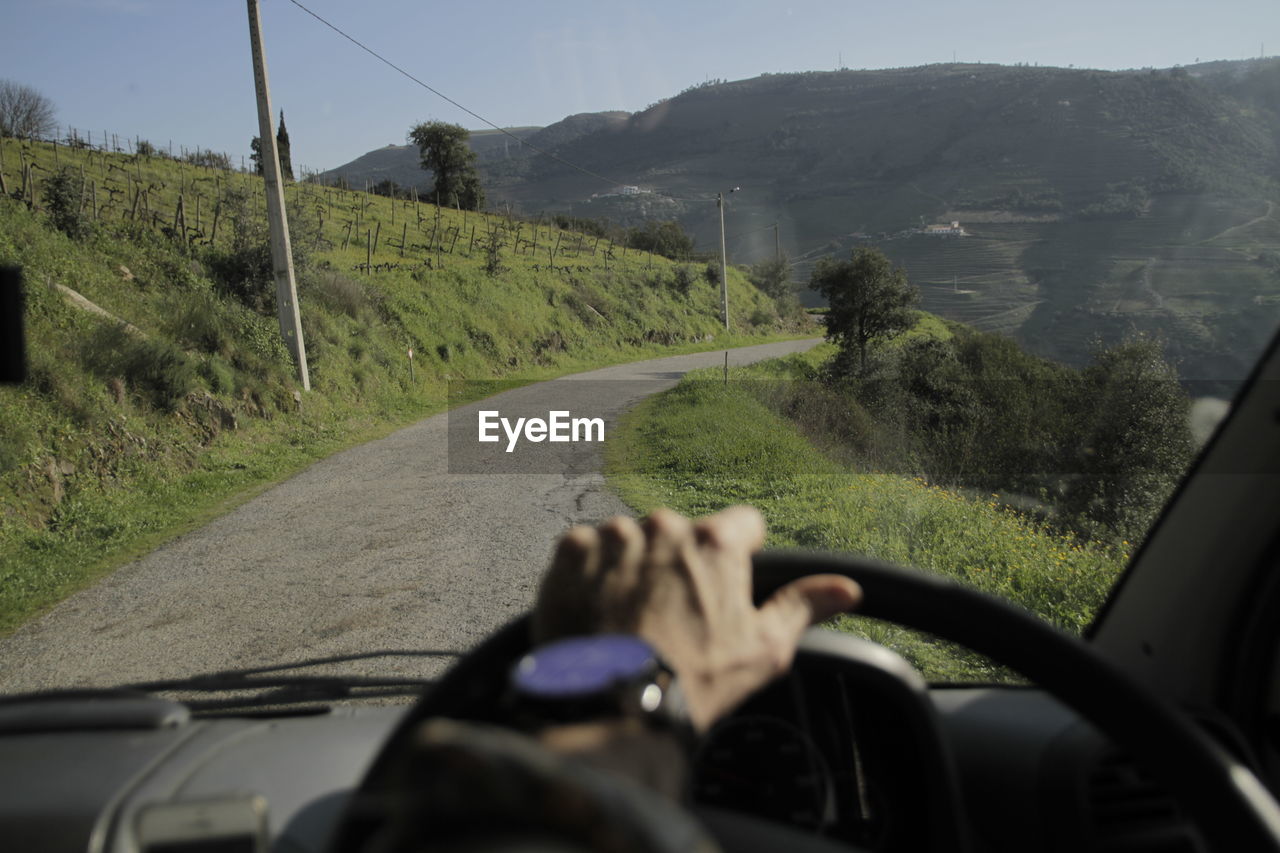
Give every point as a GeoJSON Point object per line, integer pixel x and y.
{"type": "Point", "coordinates": [961, 288]}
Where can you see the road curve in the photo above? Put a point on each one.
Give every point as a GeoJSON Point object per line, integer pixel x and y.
{"type": "Point", "coordinates": [377, 547]}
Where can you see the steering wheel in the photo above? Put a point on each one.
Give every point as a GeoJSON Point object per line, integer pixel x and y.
{"type": "Point", "coordinates": [1226, 801]}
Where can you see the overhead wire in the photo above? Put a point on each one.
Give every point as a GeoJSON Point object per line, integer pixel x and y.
{"type": "Point", "coordinates": [469, 112]}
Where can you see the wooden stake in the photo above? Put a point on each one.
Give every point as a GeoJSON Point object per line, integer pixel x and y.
{"type": "Point", "coordinates": [377, 233]}
{"type": "Point", "coordinates": [404, 234]}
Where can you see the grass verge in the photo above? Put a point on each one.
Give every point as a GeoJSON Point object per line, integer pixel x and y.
{"type": "Point", "coordinates": [707, 444]}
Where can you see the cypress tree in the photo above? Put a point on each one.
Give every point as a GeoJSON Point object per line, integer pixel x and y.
{"type": "Point", "coordinates": [282, 145]}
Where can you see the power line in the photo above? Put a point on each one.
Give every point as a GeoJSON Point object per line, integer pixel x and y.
{"type": "Point", "coordinates": [472, 113]}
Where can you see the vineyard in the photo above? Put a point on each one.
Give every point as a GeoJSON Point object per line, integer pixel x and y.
{"type": "Point", "coordinates": [159, 388]}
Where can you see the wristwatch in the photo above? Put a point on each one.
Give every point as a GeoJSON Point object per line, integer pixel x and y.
{"type": "Point", "coordinates": [600, 676]}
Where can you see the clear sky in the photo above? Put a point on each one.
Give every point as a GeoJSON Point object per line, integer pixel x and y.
{"type": "Point", "coordinates": [179, 69]}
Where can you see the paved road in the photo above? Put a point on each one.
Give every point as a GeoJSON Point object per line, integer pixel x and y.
{"type": "Point", "coordinates": [399, 543]}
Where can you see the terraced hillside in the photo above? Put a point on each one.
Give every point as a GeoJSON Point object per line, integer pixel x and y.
{"type": "Point", "coordinates": [1097, 203]}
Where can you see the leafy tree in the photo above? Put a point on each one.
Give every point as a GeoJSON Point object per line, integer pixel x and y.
{"type": "Point", "coordinates": [445, 153]}
{"type": "Point", "coordinates": [255, 148]}
{"type": "Point", "coordinates": [870, 300]}
{"type": "Point", "coordinates": [662, 238]}
{"type": "Point", "coordinates": [772, 277]}
{"type": "Point", "coordinates": [1137, 441]}
{"type": "Point", "coordinates": [24, 111]}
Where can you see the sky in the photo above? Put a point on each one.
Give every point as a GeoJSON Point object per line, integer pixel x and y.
{"type": "Point", "coordinates": [179, 70]}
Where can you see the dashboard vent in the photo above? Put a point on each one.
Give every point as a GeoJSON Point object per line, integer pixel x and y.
{"type": "Point", "coordinates": [1130, 812]}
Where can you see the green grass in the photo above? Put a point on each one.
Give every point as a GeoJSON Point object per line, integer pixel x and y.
{"type": "Point", "coordinates": [706, 444]}
{"type": "Point", "coordinates": [121, 440]}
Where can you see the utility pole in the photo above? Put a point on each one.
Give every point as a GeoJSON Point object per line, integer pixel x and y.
{"type": "Point", "coordinates": [777, 244]}
{"type": "Point", "coordinates": [724, 267]}
{"type": "Point", "coordinates": [720, 203]}
{"type": "Point", "coordinates": [281, 252]}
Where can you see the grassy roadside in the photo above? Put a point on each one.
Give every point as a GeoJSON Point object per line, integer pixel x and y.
{"type": "Point", "coordinates": [125, 437]}
{"type": "Point", "coordinates": [706, 444]}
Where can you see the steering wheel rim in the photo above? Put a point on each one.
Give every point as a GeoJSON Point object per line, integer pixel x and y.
{"type": "Point", "coordinates": [1232, 809]}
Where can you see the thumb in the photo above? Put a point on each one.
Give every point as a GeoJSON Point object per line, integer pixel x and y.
{"type": "Point", "coordinates": [810, 600]}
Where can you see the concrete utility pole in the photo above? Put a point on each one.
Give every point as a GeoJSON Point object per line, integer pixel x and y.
{"type": "Point", "coordinates": [281, 252]}
{"type": "Point", "coordinates": [724, 263]}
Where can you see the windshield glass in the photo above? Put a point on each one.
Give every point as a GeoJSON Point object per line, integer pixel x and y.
{"type": "Point", "coordinates": [961, 288]}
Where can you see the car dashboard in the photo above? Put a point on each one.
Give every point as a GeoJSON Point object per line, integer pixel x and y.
{"type": "Point", "coordinates": [850, 749]}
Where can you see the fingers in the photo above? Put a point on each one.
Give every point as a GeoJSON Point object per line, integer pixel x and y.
{"type": "Point", "coordinates": [622, 547]}
{"type": "Point", "coordinates": [669, 533]}
{"type": "Point", "coordinates": [738, 527]}
{"type": "Point", "coordinates": [565, 600]}
{"type": "Point", "coordinates": [810, 600]}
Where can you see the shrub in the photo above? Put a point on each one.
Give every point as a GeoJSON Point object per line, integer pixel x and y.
{"type": "Point", "coordinates": [63, 195]}
{"type": "Point", "coordinates": [493, 256]}
{"type": "Point", "coordinates": [683, 277]}
{"type": "Point", "coordinates": [772, 277]}
{"type": "Point", "coordinates": [581, 224]}
{"type": "Point", "coordinates": [209, 159]}
{"type": "Point", "coordinates": [662, 238]}
{"type": "Point", "coordinates": [243, 269]}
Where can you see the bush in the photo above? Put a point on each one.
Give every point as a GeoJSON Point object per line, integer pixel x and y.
{"type": "Point", "coordinates": [772, 277]}
{"type": "Point", "coordinates": [243, 269]}
{"type": "Point", "coordinates": [493, 256]}
{"type": "Point", "coordinates": [63, 195]}
{"type": "Point", "coordinates": [683, 277]}
{"type": "Point", "coordinates": [662, 238]}
{"type": "Point", "coordinates": [209, 159]}
{"type": "Point", "coordinates": [712, 272]}
{"type": "Point", "coordinates": [581, 224]}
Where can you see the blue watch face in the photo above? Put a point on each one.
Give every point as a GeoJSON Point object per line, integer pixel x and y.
{"type": "Point", "coordinates": [581, 666]}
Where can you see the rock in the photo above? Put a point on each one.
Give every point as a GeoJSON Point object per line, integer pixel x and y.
{"type": "Point", "coordinates": [125, 273]}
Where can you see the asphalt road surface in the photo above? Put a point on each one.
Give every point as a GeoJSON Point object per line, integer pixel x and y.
{"type": "Point", "coordinates": [426, 539]}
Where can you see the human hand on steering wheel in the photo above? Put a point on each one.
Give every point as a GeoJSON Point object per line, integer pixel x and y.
{"type": "Point", "coordinates": [685, 588]}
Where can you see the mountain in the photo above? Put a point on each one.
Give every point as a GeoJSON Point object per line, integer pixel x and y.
{"type": "Point", "coordinates": [1092, 203]}
{"type": "Point", "coordinates": [401, 164]}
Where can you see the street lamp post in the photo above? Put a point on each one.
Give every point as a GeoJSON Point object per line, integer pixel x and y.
{"type": "Point", "coordinates": [724, 263]}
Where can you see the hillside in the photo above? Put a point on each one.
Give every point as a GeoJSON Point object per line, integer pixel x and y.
{"type": "Point", "coordinates": [159, 388]}
{"type": "Point", "coordinates": [1094, 202]}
